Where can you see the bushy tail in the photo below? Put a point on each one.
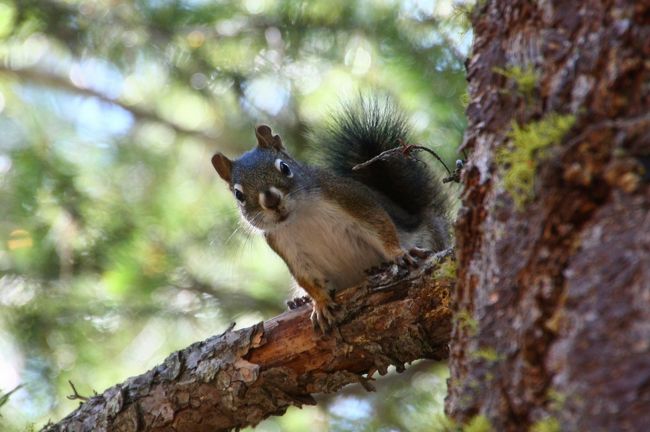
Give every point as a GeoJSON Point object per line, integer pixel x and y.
{"type": "Point", "coordinates": [364, 129]}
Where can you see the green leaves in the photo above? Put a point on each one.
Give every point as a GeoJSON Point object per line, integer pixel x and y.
{"type": "Point", "coordinates": [7, 18]}
{"type": "Point", "coordinates": [118, 243]}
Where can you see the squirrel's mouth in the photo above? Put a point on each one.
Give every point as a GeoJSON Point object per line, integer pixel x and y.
{"type": "Point", "coordinates": [282, 214]}
{"type": "Point", "coordinates": [277, 215]}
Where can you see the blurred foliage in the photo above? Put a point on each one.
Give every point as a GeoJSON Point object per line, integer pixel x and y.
{"type": "Point", "coordinates": [118, 244]}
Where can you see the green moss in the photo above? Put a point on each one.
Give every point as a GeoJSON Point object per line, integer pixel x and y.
{"type": "Point", "coordinates": [550, 424]}
{"type": "Point", "coordinates": [556, 399]}
{"type": "Point", "coordinates": [442, 423]}
{"type": "Point", "coordinates": [488, 354]}
{"type": "Point", "coordinates": [466, 322]}
{"type": "Point", "coordinates": [464, 99]}
{"type": "Point", "coordinates": [526, 78]}
{"type": "Point", "coordinates": [479, 423]}
{"type": "Point", "coordinates": [530, 144]}
{"type": "Point", "coordinates": [464, 12]}
{"type": "Point", "coordinates": [446, 269]}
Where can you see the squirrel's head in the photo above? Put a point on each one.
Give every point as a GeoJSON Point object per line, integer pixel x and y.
{"type": "Point", "coordinates": [263, 180]}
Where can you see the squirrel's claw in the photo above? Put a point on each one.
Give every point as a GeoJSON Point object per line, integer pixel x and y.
{"type": "Point", "coordinates": [420, 253]}
{"type": "Point", "coordinates": [406, 260]}
{"type": "Point", "coordinates": [410, 258]}
{"type": "Point", "coordinates": [323, 316]}
{"type": "Point", "coordinates": [298, 302]}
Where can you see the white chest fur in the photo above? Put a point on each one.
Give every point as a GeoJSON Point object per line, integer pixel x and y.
{"type": "Point", "coordinates": [323, 242]}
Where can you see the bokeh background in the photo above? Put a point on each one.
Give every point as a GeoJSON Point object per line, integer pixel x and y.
{"type": "Point", "coordinates": [118, 242]}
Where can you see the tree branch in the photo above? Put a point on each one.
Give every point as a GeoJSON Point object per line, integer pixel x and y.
{"type": "Point", "coordinates": [241, 377]}
{"type": "Point", "coordinates": [39, 77]}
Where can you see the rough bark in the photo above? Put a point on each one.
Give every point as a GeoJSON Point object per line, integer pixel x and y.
{"type": "Point", "coordinates": [241, 377]}
{"type": "Point", "coordinates": [554, 295]}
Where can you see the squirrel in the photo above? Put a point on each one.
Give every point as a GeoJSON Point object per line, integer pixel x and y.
{"type": "Point", "coordinates": [331, 223]}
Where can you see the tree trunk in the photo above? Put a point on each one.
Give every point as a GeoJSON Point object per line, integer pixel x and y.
{"type": "Point", "coordinates": [553, 296]}
{"type": "Point", "coordinates": [241, 377]}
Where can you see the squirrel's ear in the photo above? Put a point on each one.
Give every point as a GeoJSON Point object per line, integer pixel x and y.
{"type": "Point", "coordinates": [266, 139]}
{"type": "Point", "coordinates": [223, 165]}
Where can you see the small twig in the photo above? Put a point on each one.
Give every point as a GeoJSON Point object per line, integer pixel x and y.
{"type": "Point", "coordinates": [381, 156]}
{"type": "Point", "coordinates": [54, 81]}
{"type": "Point", "coordinates": [229, 329]}
{"type": "Point", "coordinates": [76, 395]}
{"type": "Point", "coordinates": [404, 149]}
{"type": "Point", "coordinates": [4, 398]}
{"type": "Point", "coordinates": [455, 177]}
{"type": "Point", "coordinates": [436, 259]}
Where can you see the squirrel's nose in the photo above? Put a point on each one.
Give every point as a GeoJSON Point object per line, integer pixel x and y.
{"type": "Point", "coordinates": [270, 199]}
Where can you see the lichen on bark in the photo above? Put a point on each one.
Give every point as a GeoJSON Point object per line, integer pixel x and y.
{"type": "Point", "coordinates": [528, 146]}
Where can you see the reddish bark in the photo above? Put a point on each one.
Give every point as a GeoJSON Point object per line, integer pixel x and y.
{"type": "Point", "coordinates": [557, 294]}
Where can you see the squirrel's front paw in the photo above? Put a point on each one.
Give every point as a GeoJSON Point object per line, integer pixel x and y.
{"type": "Point", "coordinates": [410, 258]}
{"type": "Point", "coordinates": [420, 253]}
{"type": "Point", "coordinates": [298, 302]}
{"type": "Point", "coordinates": [323, 316]}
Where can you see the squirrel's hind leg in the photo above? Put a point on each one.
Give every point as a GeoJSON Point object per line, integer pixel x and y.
{"type": "Point", "coordinates": [325, 311]}
{"type": "Point", "coordinates": [405, 258]}
{"type": "Point", "coordinates": [323, 316]}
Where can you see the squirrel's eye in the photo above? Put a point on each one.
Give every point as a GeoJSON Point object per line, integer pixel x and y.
{"type": "Point", "coordinates": [238, 193]}
{"type": "Point", "coordinates": [283, 168]}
